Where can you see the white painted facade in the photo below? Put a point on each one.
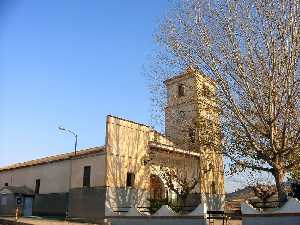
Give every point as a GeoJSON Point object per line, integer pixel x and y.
{"type": "Point", "coordinates": [55, 176]}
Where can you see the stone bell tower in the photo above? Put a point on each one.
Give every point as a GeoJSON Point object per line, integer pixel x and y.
{"type": "Point", "coordinates": [192, 123]}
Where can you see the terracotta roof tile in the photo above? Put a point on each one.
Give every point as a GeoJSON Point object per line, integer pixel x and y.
{"type": "Point", "coordinates": [54, 158]}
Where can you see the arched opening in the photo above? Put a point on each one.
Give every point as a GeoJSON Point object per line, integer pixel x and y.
{"type": "Point", "coordinates": [157, 189]}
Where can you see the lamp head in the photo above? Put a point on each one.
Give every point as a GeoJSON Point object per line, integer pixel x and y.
{"type": "Point", "coordinates": [61, 128]}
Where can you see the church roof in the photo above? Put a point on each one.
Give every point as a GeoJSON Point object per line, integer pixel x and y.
{"type": "Point", "coordinates": [54, 158]}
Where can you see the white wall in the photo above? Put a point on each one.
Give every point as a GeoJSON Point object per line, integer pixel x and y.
{"type": "Point", "coordinates": [55, 177]}
{"type": "Point", "coordinates": [98, 170]}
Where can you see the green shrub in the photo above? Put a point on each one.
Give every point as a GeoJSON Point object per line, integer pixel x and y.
{"type": "Point", "coordinates": [156, 204]}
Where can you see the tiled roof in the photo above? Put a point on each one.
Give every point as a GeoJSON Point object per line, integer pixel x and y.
{"type": "Point", "coordinates": [54, 158]}
{"type": "Point", "coordinates": [18, 190]}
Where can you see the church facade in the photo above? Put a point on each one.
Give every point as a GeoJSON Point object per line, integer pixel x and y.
{"type": "Point", "coordinates": [132, 167]}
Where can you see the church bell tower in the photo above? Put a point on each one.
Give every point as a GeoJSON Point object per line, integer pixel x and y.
{"type": "Point", "coordinates": [192, 123]}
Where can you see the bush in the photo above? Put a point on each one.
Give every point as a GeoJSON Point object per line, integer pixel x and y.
{"type": "Point", "coordinates": [156, 204]}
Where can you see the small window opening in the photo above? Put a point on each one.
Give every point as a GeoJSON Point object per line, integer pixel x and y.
{"type": "Point", "coordinates": [213, 188]}
{"type": "Point", "coordinates": [86, 176]}
{"type": "Point", "coordinates": [130, 179]}
{"type": "Point", "coordinates": [37, 186]}
{"type": "Point", "coordinates": [6, 184]}
{"type": "Point", "coordinates": [192, 135]}
{"type": "Point", "coordinates": [181, 90]}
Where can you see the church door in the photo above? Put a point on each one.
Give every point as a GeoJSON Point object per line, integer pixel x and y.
{"type": "Point", "coordinates": [157, 189]}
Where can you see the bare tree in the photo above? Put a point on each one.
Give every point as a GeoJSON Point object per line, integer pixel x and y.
{"type": "Point", "coordinates": [262, 187]}
{"type": "Point", "coordinates": [251, 49]}
{"type": "Point", "coordinates": [179, 182]}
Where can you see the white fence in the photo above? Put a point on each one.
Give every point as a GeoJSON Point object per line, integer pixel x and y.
{"type": "Point", "coordinates": [164, 216]}
{"type": "Point", "coordinates": [288, 214]}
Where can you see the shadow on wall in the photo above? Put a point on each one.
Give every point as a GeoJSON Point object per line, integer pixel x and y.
{"type": "Point", "coordinates": [127, 175]}
{"type": "Point", "coordinates": [215, 202]}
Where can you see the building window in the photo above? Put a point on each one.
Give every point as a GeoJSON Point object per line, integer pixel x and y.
{"type": "Point", "coordinates": [213, 188]}
{"type": "Point", "coordinates": [37, 186]}
{"type": "Point", "coordinates": [87, 176]}
{"type": "Point", "coordinates": [130, 179]}
{"type": "Point", "coordinates": [6, 184]}
{"type": "Point", "coordinates": [192, 135]}
{"type": "Point", "coordinates": [181, 90]}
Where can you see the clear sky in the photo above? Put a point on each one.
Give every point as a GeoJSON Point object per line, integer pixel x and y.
{"type": "Point", "coordinates": [71, 63]}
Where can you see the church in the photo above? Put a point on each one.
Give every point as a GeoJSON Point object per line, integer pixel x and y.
{"type": "Point", "coordinates": [136, 165]}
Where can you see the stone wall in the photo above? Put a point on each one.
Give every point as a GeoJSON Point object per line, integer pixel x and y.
{"type": "Point", "coordinates": [121, 199]}
{"type": "Point", "coordinates": [288, 214]}
{"type": "Point", "coordinates": [127, 147]}
{"type": "Point", "coordinates": [215, 202]}
{"type": "Point", "coordinates": [196, 110]}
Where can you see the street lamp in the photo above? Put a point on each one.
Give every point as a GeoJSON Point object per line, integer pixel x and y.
{"type": "Point", "coordinates": [75, 149]}
{"type": "Point", "coordinates": [74, 134]}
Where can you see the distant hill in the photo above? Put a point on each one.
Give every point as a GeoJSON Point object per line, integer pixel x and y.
{"type": "Point", "coordinates": [240, 195]}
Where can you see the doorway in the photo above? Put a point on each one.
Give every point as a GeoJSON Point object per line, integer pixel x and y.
{"type": "Point", "coordinates": [157, 188]}
{"type": "Point", "coordinates": [28, 202]}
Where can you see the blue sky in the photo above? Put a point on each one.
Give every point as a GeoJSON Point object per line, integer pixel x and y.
{"type": "Point", "coordinates": [71, 63]}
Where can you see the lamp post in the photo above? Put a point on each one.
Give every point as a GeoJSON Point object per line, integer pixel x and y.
{"type": "Point", "coordinates": [70, 176]}
{"type": "Point", "coordinates": [74, 134]}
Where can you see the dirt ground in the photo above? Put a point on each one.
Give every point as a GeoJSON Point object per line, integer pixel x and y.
{"type": "Point", "coordinates": [229, 222]}
{"type": "Point", "coordinates": [42, 221]}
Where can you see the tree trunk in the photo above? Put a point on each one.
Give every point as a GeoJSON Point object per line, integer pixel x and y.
{"type": "Point", "coordinates": [279, 179]}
